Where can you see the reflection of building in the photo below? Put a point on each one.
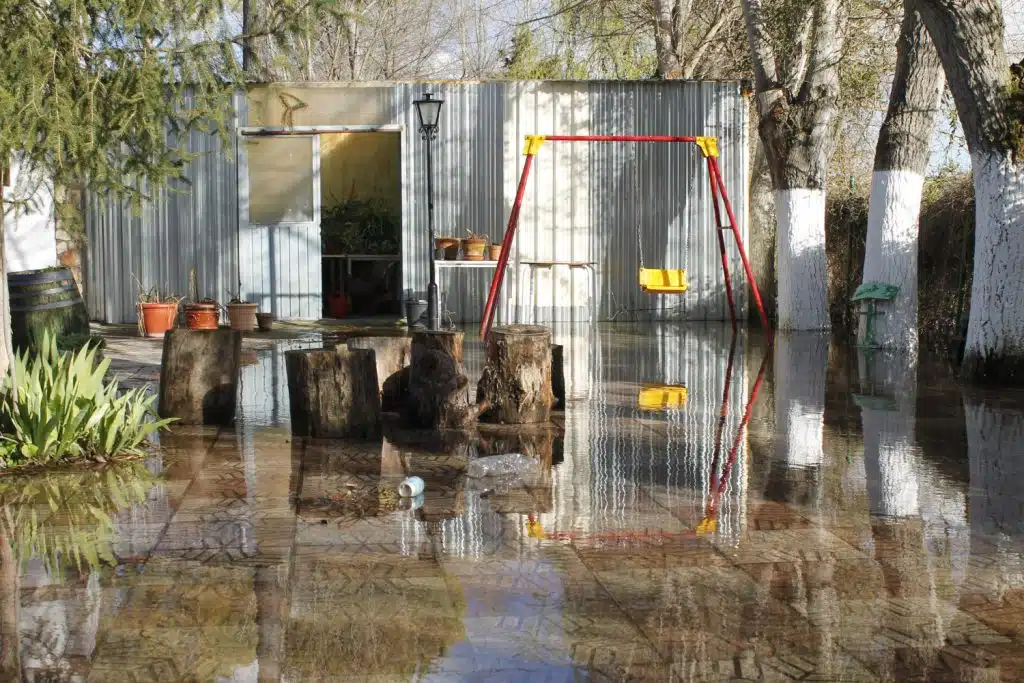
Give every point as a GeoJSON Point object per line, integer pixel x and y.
{"type": "Point", "coordinates": [622, 462]}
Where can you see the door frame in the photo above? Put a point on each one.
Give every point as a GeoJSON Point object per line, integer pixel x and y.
{"type": "Point", "coordinates": [243, 132]}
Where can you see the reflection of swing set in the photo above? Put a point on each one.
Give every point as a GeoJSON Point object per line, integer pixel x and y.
{"type": "Point", "coordinates": [716, 485]}
{"type": "Point", "coordinates": [650, 280]}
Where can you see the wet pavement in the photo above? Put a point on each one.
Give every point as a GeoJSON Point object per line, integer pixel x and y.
{"type": "Point", "coordinates": [869, 525]}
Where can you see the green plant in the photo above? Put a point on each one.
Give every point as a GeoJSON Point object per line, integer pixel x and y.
{"type": "Point", "coordinates": [477, 236]}
{"type": "Point", "coordinates": [60, 408]}
{"type": "Point", "coordinates": [154, 296]}
{"type": "Point", "coordinates": [358, 226]}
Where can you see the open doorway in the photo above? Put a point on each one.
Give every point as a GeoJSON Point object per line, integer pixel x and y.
{"type": "Point", "coordinates": [360, 223]}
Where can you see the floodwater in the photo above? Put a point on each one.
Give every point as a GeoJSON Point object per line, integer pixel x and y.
{"type": "Point", "coordinates": [869, 525]}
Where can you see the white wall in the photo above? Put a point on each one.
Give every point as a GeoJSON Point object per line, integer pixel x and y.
{"type": "Point", "coordinates": [29, 227]}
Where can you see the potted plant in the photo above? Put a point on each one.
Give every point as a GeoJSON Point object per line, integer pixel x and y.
{"type": "Point", "coordinates": [157, 312]}
{"type": "Point", "coordinates": [200, 314]}
{"type": "Point", "coordinates": [360, 226]}
{"type": "Point", "coordinates": [241, 314]}
{"type": "Point", "coordinates": [495, 252]}
{"type": "Point", "coordinates": [473, 247]}
{"type": "Point", "coordinates": [450, 245]}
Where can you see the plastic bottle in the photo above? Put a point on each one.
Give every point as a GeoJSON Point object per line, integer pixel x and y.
{"type": "Point", "coordinates": [506, 464]}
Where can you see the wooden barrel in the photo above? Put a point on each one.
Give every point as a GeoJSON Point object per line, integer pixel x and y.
{"type": "Point", "coordinates": [45, 300]}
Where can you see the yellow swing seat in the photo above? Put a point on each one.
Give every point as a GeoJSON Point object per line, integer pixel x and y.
{"type": "Point", "coordinates": [663, 281]}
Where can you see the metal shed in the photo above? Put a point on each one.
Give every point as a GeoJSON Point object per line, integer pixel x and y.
{"type": "Point", "coordinates": [583, 205]}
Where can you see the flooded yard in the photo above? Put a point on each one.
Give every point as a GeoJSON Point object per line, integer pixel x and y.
{"type": "Point", "coordinates": [868, 525]}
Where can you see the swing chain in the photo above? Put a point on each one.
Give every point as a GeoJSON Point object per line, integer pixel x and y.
{"type": "Point", "coordinates": [639, 244]}
{"type": "Point", "coordinates": [636, 200]}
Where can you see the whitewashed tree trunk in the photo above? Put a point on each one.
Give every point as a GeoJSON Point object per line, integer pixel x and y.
{"type": "Point", "coordinates": [901, 159]}
{"type": "Point", "coordinates": [969, 38]}
{"type": "Point", "coordinates": [801, 360]}
{"type": "Point", "coordinates": [890, 457]}
{"type": "Point", "coordinates": [797, 104]}
{"type": "Point", "coordinates": [802, 264]}
{"type": "Point", "coordinates": [995, 330]}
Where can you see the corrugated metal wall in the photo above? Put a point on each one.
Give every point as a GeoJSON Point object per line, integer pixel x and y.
{"type": "Point", "coordinates": [583, 202]}
{"type": "Point", "coordinates": [187, 225]}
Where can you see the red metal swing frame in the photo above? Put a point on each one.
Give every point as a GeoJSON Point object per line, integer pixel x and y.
{"type": "Point", "coordinates": [708, 147]}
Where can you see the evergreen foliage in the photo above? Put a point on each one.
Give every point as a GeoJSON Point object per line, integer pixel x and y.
{"type": "Point", "coordinates": [100, 91]}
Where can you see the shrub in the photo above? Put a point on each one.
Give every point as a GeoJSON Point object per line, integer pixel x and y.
{"type": "Point", "coordinates": [59, 407]}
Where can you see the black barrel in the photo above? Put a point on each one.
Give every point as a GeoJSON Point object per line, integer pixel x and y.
{"type": "Point", "coordinates": [44, 300]}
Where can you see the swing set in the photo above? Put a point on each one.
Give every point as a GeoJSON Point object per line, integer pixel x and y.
{"type": "Point", "coordinates": [650, 280]}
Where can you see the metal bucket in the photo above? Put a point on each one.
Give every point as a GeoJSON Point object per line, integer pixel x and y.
{"type": "Point", "coordinates": [415, 310]}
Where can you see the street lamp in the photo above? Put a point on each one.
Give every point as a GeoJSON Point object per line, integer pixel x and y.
{"type": "Point", "coordinates": [429, 111]}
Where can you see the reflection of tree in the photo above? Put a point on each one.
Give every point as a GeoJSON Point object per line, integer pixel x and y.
{"type": "Point", "coordinates": [800, 362]}
{"type": "Point", "coordinates": [59, 519]}
{"type": "Point", "coordinates": [995, 446]}
{"type": "Point", "coordinates": [887, 399]}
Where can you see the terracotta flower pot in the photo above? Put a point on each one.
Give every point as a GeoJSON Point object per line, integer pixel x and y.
{"type": "Point", "coordinates": [473, 248]}
{"type": "Point", "coordinates": [242, 316]}
{"type": "Point", "coordinates": [158, 318]}
{"type": "Point", "coordinates": [202, 316]}
{"type": "Point", "coordinates": [495, 252]}
{"type": "Point", "coordinates": [450, 245]}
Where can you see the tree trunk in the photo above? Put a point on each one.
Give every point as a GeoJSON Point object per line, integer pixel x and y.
{"type": "Point", "coordinates": [797, 111]}
{"type": "Point", "coordinates": [901, 158]}
{"type": "Point", "coordinates": [803, 267]}
{"type": "Point", "coordinates": [438, 397]}
{"type": "Point", "coordinates": [6, 344]}
{"type": "Point", "coordinates": [666, 37]}
{"type": "Point", "coordinates": [516, 381]}
{"type": "Point", "coordinates": [392, 354]}
{"type": "Point", "coordinates": [800, 367]}
{"type": "Point", "coordinates": [199, 376]}
{"type": "Point", "coordinates": [763, 231]}
{"type": "Point", "coordinates": [334, 393]}
{"type": "Point", "coordinates": [969, 38]}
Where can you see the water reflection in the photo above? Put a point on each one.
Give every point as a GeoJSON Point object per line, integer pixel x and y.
{"type": "Point", "coordinates": [54, 526]}
{"type": "Point", "coordinates": [845, 548]}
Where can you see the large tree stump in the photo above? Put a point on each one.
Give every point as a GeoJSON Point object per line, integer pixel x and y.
{"type": "Point", "coordinates": [393, 354]}
{"type": "Point", "coordinates": [558, 376]}
{"type": "Point", "coordinates": [199, 376]}
{"type": "Point", "coordinates": [516, 382]}
{"type": "Point", "coordinates": [438, 396]}
{"type": "Point", "coordinates": [334, 393]}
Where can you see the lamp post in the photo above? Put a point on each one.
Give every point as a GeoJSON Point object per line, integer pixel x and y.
{"type": "Point", "coordinates": [428, 110]}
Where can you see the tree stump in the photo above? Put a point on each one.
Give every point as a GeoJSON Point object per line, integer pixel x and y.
{"type": "Point", "coordinates": [516, 382]}
{"type": "Point", "coordinates": [199, 376]}
{"type": "Point", "coordinates": [438, 397]}
{"type": "Point", "coordinates": [558, 376]}
{"type": "Point", "coordinates": [393, 354]}
{"type": "Point", "coordinates": [334, 393]}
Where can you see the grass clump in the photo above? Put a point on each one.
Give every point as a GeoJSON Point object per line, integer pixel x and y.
{"type": "Point", "coordinates": [58, 407]}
